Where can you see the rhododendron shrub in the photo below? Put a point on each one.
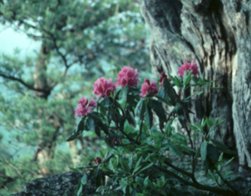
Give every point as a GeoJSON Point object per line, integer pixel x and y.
{"type": "Point", "coordinates": [150, 136]}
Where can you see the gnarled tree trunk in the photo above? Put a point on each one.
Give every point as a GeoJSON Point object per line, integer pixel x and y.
{"type": "Point", "coordinates": [216, 34]}
{"type": "Point", "coordinates": [40, 82]}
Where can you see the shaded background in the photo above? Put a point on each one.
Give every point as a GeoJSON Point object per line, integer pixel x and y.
{"type": "Point", "coordinates": [51, 52]}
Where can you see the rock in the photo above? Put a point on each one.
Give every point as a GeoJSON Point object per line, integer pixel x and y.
{"type": "Point", "coordinates": [61, 184]}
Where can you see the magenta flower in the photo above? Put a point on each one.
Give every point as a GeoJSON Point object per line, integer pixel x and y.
{"type": "Point", "coordinates": [85, 107]}
{"type": "Point", "coordinates": [97, 160]}
{"type": "Point", "coordinates": [127, 77]}
{"type": "Point", "coordinates": [103, 87]}
{"type": "Point", "coordinates": [188, 66]}
{"type": "Point", "coordinates": [148, 88]}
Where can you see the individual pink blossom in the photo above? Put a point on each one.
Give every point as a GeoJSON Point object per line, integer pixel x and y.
{"type": "Point", "coordinates": [97, 160]}
{"type": "Point", "coordinates": [103, 87]}
{"type": "Point", "coordinates": [83, 101]}
{"type": "Point", "coordinates": [188, 66]}
{"type": "Point", "coordinates": [148, 88]}
{"type": "Point", "coordinates": [127, 77]}
{"type": "Point", "coordinates": [85, 107]}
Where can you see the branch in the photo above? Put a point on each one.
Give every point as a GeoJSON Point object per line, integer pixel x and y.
{"type": "Point", "coordinates": [62, 56]}
{"type": "Point", "coordinates": [25, 84]}
{"type": "Point", "coordinates": [196, 184]}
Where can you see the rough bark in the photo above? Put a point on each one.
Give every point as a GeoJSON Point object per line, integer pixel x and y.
{"type": "Point", "coordinates": [74, 153]}
{"type": "Point", "coordinates": [40, 77]}
{"type": "Point", "coordinates": [45, 149]}
{"type": "Point", "coordinates": [40, 81]}
{"type": "Point", "coordinates": [216, 34]}
{"type": "Point", "coordinates": [63, 184]}
{"type": "Point", "coordinates": [68, 184]}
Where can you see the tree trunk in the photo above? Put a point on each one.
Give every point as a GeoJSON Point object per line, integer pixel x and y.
{"type": "Point", "coordinates": [74, 153]}
{"type": "Point", "coordinates": [42, 154]}
{"type": "Point", "coordinates": [46, 146]}
{"type": "Point", "coordinates": [216, 34]}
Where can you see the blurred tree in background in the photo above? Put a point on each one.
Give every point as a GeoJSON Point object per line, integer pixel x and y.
{"type": "Point", "coordinates": [79, 41]}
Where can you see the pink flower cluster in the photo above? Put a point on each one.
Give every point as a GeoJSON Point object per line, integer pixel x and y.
{"type": "Point", "coordinates": [127, 77]}
{"type": "Point", "coordinates": [148, 88]}
{"type": "Point", "coordinates": [84, 107]}
{"type": "Point", "coordinates": [188, 66]}
{"type": "Point", "coordinates": [103, 87]}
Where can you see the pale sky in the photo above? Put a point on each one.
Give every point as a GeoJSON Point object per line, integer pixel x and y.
{"type": "Point", "coordinates": [11, 39]}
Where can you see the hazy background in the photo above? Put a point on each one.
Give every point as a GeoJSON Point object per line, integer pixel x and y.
{"type": "Point", "coordinates": [14, 42]}
{"type": "Point", "coordinates": [60, 48]}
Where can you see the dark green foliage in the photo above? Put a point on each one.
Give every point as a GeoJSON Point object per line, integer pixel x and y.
{"type": "Point", "coordinates": [163, 153]}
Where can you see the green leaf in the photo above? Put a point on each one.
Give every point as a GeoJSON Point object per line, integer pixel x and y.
{"type": "Point", "coordinates": [187, 80]}
{"type": "Point", "coordinates": [113, 163]}
{"type": "Point", "coordinates": [222, 147]}
{"type": "Point", "coordinates": [160, 112]}
{"type": "Point", "coordinates": [130, 117]}
{"type": "Point", "coordinates": [123, 96]}
{"type": "Point", "coordinates": [146, 181]}
{"type": "Point", "coordinates": [176, 81]}
{"type": "Point", "coordinates": [114, 111]}
{"type": "Point", "coordinates": [196, 127]}
{"type": "Point", "coordinates": [221, 157]}
{"type": "Point", "coordinates": [84, 179]}
{"type": "Point", "coordinates": [137, 165]}
{"type": "Point", "coordinates": [90, 124]}
{"type": "Point", "coordinates": [174, 149]}
{"type": "Point", "coordinates": [201, 81]}
{"type": "Point", "coordinates": [203, 150]}
{"type": "Point", "coordinates": [82, 183]}
{"type": "Point", "coordinates": [213, 153]}
{"type": "Point", "coordinates": [80, 190]}
{"type": "Point", "coordinates": [78, 130]}
{"type": "Point", "coordinates": [170, 92]}
{"type": "Point", "coordinates": [145, 168]}
{"type": "Point", "coordinates": [106, 102]}
{"type": "Point", "coordinates": [73, 136]}
{"type": "Point", "coordinates": [123, 184]}
{"type": "Point", "coordinates": [93, 124]}
{"type": "Point", "coordinates": [99, 125]}
{"type": "Point", "coordinates": [130, 162]}
{"type": "Point", "coordinates": [140, 109]}
{"type": "Point", "coordinates": [148, 116]}
{"type": "Point", "coordinates": [128, 128]}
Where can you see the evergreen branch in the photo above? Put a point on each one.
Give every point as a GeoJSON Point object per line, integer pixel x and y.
{"type": "Point", "coordinates": [25, 84]}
